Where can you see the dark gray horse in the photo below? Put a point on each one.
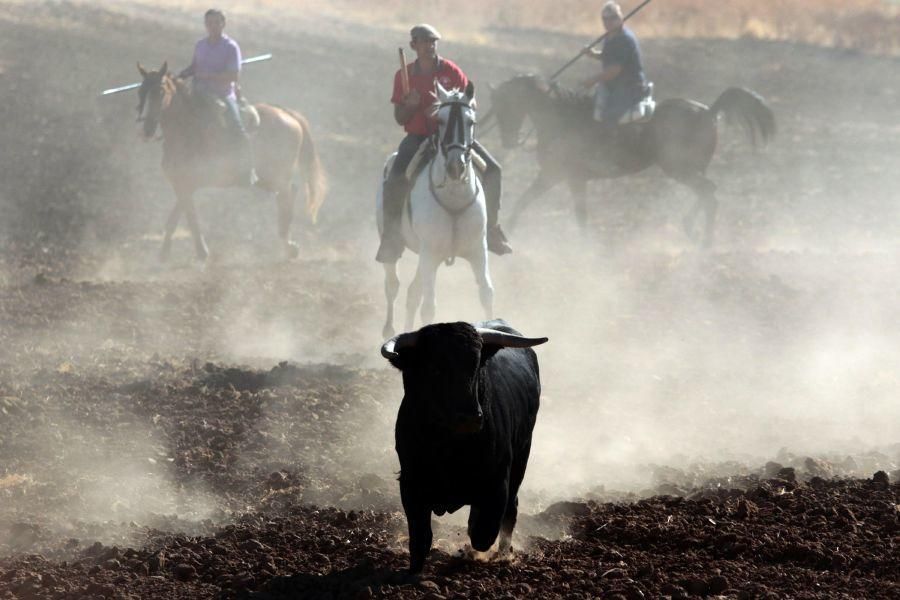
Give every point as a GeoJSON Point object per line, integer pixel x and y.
{"type": "Point", "coordinates": [680, 137]}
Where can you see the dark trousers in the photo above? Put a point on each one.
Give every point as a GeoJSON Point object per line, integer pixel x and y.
{"type": "Point", "coordinates": [236, 125]}
{"type": "Point", "coordinates": [396, 184]}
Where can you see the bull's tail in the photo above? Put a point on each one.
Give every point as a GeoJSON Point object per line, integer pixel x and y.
{"type": "Point", "coordinates": [311, 168]}
{"type": "Point", "coordinates": [749, 110]}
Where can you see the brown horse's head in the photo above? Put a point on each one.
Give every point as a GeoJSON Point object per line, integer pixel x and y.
{"type": "Point", "coordinates": [154, 95]}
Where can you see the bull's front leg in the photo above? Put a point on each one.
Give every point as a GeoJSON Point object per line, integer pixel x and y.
{"type": "Point", "coordinates": [486, 516]}
{"type": "Point", "coordinates": [418, 520]}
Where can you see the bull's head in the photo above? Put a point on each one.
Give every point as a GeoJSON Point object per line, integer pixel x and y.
{"type": "Point", "coordinates": [441, 367]}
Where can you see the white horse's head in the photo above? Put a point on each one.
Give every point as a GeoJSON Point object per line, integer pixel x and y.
{"type": "Point", "coordinates": [455, 112]}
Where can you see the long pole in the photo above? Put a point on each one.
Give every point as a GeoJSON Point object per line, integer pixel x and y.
{"type": "Point", "coordinates": [134, 86]}
{"type": "Point", "coordinates": [489, 126]}
{"type": "Point", "coordinates": [563, 68]}
{"type": "Point", "coordinates": [404, 73]}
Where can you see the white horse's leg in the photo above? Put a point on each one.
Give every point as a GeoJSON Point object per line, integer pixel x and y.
{"type": "Point", "coordinates": [482, 273]}
{"type": "Point", "coordinates": [428, 266]}
{"type": "Point", "coordinates": [391, 288]}
{"type": "Point", "coordinates": [413, 299]}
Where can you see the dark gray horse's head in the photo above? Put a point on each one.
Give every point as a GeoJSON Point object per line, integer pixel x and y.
{"type": "Point", "coordinates": [510, 103]}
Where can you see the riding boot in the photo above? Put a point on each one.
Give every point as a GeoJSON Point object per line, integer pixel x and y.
{"type": "Point", "coordinates": [393, 200]}
{"type": "Point", "coordinates": [492, 181]}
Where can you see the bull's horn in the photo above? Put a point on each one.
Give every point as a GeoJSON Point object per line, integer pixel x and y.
{"type": "Point", "coordinates": [508, 340]}
{"type": "Point", "coordinates": [397, 343]}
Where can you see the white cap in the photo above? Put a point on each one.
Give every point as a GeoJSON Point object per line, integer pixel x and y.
{"type": "Point", "coordinates": [611, 9]}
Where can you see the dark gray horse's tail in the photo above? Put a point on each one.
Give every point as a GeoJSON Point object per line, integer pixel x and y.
{"type": "Point", "coordinates": [749, 110]}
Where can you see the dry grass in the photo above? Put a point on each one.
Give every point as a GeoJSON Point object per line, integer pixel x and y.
{"type": "Point", "coordinates": [871, 26]}
{"type": "Point", "coordinates": [867, 25]}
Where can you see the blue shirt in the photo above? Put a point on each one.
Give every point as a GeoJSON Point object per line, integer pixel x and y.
{"type": "Point", "coordinates": [623, 50]}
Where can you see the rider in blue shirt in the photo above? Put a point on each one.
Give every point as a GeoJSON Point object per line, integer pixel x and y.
{"type": "Point", "coordinates": [620, 85]}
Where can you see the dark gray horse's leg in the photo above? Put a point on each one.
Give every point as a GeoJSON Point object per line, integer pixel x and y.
{"type": "Point", "coordinates": [537, 188]}
{"type": "Point", "coordinates": [706, 201]}
{"type": "Point", "coordinates": [171, 223]}
{"type": "Point", "coordinates": [578, 189]}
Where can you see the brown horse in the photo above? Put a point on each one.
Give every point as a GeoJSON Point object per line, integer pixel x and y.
{"type": "Point", "coordinates": [680, 138]}
{"type": "Point", "coordinates": [282, 145]}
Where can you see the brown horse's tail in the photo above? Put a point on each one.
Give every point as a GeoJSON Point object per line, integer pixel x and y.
{"type": "Point", "coordinates": [311, 168]}
{"type": "Point", "coordinates": [748, 109]}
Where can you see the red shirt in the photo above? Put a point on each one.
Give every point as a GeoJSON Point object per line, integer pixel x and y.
{"type": "Point", "coordinates": [447, 73]}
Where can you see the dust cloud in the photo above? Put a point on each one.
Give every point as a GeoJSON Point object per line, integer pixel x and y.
{"type": "Point", "coordinates": [132, 390]}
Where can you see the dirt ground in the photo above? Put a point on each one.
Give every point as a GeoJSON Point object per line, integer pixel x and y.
{"type": "Point", "coordinates": [720, 423]}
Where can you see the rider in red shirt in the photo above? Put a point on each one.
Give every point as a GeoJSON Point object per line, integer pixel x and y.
{"type": "Point", "coordinates": [413, 112]}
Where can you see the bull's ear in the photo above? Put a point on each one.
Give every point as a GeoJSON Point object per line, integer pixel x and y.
{"type": "Point", "coordinates": [488, 351]}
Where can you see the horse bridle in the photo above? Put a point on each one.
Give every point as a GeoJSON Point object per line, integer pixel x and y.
{"type": "Point", "coordinates": [455, 130]}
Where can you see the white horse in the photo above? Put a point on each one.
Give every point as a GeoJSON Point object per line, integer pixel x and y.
{"type": "Point", "coordinates": [446, 217]}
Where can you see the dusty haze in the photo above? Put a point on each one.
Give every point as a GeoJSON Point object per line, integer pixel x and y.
{"type": "Point", "coordinates": [666, 364]}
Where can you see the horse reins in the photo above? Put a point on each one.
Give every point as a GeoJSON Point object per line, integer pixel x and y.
{"type": "Point", "coordinates": [455, 131]}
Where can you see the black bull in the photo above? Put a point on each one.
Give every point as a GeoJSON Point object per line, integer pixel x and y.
{"type": "Point", "coordinates": [463, 434]}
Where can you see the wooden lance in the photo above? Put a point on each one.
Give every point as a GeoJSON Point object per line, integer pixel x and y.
{"type": "Point", "coordinates": [404, 75]}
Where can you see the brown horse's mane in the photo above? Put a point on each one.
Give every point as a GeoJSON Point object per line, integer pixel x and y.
{"type": "Point", "coordinates": [171, 86]}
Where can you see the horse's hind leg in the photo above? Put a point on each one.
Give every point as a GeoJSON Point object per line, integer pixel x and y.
{"type": "Point", "coordinates": [391, 289]}
{"type": "Point", "coordinates": [285, 198]}
{"type": "Point", "coordinates": [171, 223]}
{"type": "Point", "coordinates": [186, 201]}
{"type": "Point", "coordinates": [578, 189]}
{"type": "Point", "coordinates": [705, 191]}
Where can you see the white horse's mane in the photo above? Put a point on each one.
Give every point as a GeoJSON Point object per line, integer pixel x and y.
{"type": "Point", "coordinates": [455, 95]}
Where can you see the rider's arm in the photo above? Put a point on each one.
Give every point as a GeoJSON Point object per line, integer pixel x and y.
{"type": "Point", "coordinates": [607, 74]}
{"type": "Point", "coordinates": [226, 77]}
{"type": "Point", "coordinates": [405, 111]}
{"type": "Point", "coordinates": [405, 106]}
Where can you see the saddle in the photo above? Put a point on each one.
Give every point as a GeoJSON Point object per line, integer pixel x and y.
{"type": "Point", "coordinates": [427, 150]}
{"type": "Point", "coordinates": [212, 110]}
{"type": "Point", "coordinates": [643, 110]}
